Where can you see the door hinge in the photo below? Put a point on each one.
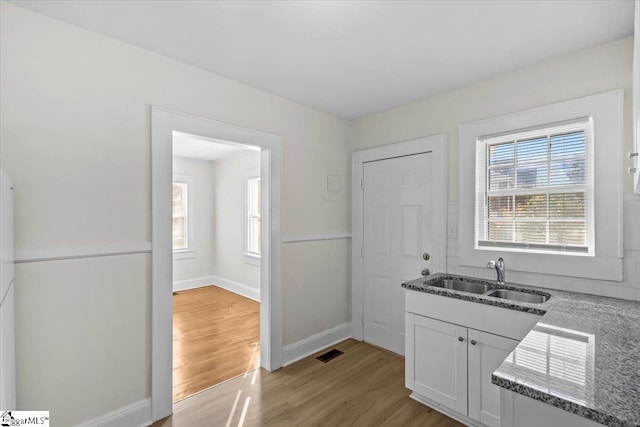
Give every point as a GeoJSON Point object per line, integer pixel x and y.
{"type": "Point", "coordinates": [362, 184]}
{"type": "Point", "coordinates": [362, 252]}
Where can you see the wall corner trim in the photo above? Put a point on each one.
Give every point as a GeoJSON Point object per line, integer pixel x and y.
{"type": "Point", "coordinates": [137, 414]}
{"type": "Point", "coordinates": [306, 347]}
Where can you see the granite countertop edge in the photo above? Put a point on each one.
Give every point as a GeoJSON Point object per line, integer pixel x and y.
{"type": "Point", "coordinates": [422, 285]}
{"type": "Point", "coordinates": [558, 402]}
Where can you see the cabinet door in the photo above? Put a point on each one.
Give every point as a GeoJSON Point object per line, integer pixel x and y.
{"type": "Point", "coordinates": [486, 353]}
{"type": "Point", "coordinates": [437, 361]}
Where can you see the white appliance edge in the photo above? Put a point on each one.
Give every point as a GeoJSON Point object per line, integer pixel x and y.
{"type": "Point", "coordinates": [7, 292]}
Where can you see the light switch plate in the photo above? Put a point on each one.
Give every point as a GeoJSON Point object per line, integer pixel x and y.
{"type": "Point", "coordinates": [333, 183]}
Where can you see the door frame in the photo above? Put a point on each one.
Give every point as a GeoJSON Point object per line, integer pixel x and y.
{"type": "Point", "coordinates": [163, 124]}
{"type": "Point", "coordinates": [436, 144]}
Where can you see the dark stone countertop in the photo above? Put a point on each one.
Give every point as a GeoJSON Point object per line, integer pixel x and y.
{"type": "Point", "coordinates": [583, 355]}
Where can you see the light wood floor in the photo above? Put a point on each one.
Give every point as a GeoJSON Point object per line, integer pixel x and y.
{"type": "Point", "coordinates": [216, 336]}
{"type": "Point", "coordinates": [362, 387]}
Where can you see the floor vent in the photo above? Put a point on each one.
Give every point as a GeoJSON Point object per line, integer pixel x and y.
{"type": "Point", "coordinates": [331, 354]}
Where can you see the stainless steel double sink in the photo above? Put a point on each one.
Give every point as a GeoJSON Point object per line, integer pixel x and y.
{"type": "Point", "coordinates": [491, 290]}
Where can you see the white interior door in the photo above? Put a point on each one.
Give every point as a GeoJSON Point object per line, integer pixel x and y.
{"type": "Point", "coordinates": [397, 232]}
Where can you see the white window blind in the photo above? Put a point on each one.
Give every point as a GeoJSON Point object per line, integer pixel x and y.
{"type": "Point", "coordinates": [180, 231]}
{"type": "Point", "coordinates": [254, 226]}
{"type": "Point", "coordinates": [534, 189]}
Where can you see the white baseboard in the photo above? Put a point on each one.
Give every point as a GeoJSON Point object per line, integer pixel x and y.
{"type": "Point", "coordinates": [198, 282]}
{"type": "Point", "coordinates": [303, 348]}
{"type": "Point", "coordinates": [238, 288]}
{"type": "Point", "coordinates": [230, 285]}
{"type": "Point", "coordinates": [137, 414]}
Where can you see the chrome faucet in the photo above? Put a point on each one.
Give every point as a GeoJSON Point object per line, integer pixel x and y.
{"type": "Point", "coordinates": [500, 269]}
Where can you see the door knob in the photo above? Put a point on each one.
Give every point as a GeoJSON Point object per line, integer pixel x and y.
{"type": "Point", "coordinates": [425, 272]}
{"type": "Point", "coordinates": [426, 256]}
{"type": "Point", "coordinates": [473, 342]}
{"type": "Point", "coordinates": [460, 339]}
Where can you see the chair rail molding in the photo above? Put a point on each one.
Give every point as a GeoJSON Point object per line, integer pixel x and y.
{"type": "Point", "coordinates": [55, 254]}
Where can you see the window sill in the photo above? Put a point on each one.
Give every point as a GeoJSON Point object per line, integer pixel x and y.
{"type": "Point", "coordinates": [534, 251]}
{"type": "Point", "coordinates": [252, 259]}
{"type": "Point", "coordinates": [184, 254]}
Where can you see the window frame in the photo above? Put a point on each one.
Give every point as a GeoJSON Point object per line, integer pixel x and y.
{"type": "Point", "coordinates": [606, 111]}
{"type": "Point", "coordinates": [483, 192]}
{"type": "Point", "coordinates": [249, 256]}
{"type": "Point", "coordinates": [190, 250]}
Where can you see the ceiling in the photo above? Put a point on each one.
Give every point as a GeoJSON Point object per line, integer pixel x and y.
{"type": "Point", "coordinates": [202, 148]}
{"type": "Point", "coordinates": [352, 58]}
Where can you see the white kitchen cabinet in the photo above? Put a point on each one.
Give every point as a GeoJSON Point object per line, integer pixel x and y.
{"type": "Point", "coordinates": [486, 353]}
{"type": "Point", "coordinates": [451, 366]}
{"type": "Point", "coordinates": [7, 352]}
{"type": "Point", "coordinates": [440, 352]}
{"type": "Point", "coordinates": [7, 298]}
{"type": "Point", "coordinates": [453, 347]}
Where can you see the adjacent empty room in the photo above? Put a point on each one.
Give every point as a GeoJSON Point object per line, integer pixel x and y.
{"type": "Point", "coordinates": [216, 262]}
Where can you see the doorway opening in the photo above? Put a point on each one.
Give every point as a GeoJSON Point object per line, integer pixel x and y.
{"type": "Point", "coordinates": [164, 125]}
{"type": "Point", "coordinates": [216, 241]}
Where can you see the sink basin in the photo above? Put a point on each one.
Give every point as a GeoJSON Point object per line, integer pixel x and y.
{"type": "Point", "coordinates": [518, 296]}
{"type": "Point", "coordinates": [459, 285]}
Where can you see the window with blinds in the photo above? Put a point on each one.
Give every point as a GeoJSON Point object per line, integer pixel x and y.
{"type": "Point", "coordinates": [254, 226]}
{"type": "Point", "coordinates": [535, 189]}
{"type": "Point", "coordinates": [180, 234]}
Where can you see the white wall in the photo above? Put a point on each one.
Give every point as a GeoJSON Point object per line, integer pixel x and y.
{"type": "Point", "coordinates": [76, 357]}
{"type": "Point", "coordinates": [307, 279]}
{"type": "Point", "coordinates": [203, 192]}
{"type": "Point", "coordinates": [230, 189]}
{"type": "Point", "coordinates": [75, 137]}
{"type": "Point", "coordinates": [587, 72]}
{"type": "Point", "coordinates": [219, 205]}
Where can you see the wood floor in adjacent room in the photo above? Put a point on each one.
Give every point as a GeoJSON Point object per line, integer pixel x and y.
{"type": "Point", "coordinates": [216, 336]}
{"type": "Point", "coordinates": [362, 387]}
